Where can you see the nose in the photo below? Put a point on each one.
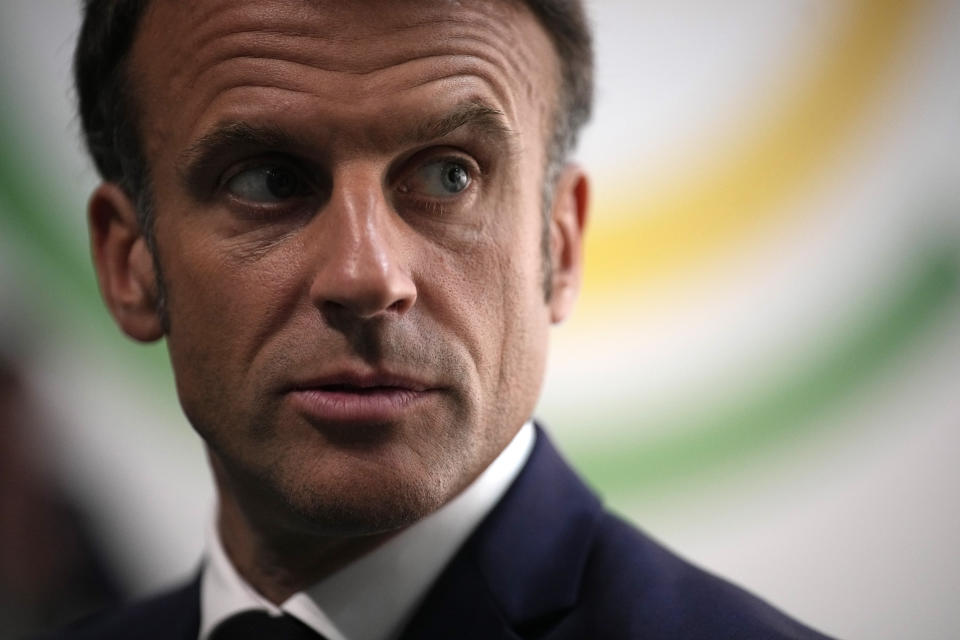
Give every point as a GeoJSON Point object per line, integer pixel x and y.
{"type": "Point", "coordinates": [362, 257]}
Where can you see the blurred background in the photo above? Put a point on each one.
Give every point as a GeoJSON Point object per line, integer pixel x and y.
{"type": "Point", "coordinates": [762, 372]}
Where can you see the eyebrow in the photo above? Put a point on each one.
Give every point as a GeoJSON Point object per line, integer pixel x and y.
{"type": "Point", "coordinates": [205, 152]}
{"type": "Point", "coordinates": [485, 120]}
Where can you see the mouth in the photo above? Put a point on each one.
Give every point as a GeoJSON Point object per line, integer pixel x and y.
{"type": "Point", "coordinates": [346, 398]}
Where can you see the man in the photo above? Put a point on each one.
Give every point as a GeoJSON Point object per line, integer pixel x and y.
{"type": "Point", "coordinates": [353, 223]}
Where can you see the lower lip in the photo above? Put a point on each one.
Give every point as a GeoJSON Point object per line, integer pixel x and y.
{"type": "Point", "coordinates": [378, 405]}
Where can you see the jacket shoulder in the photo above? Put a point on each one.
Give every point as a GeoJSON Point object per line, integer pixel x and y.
{"type": "Point", "coordinates": [549, 562]}
{"type": "Point", "coordinates": [634, 587]}
{"type": "Point", "coordinates": [172, 614]}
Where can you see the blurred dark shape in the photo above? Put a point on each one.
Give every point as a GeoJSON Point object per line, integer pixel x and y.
{"type": "Point", "coordinates": [51, 570]}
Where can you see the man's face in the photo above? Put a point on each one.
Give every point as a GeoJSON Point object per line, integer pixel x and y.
{"type": "Point", "coordinates": [348, 223]}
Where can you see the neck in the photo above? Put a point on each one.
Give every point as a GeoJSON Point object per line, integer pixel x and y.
{"type": "Point", "coordinates": [277, 559]}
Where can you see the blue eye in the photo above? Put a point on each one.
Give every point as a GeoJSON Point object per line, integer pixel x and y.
{"type": "Point", "coordinates": [440, 179]}
{"type": "Point", "coordinates": [266, 184]}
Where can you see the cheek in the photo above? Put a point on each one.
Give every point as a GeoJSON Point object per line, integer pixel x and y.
{"type": "Point", "coordinates": [228, 286]}
{"type": "Point", "coordinates": [525, 319]}
{"type": "Point", "coordinates": [493, 299]}
{"type": "Point", "coordinates": [525, 323]}
{"type": "Point", "coordinates": [222, 305]}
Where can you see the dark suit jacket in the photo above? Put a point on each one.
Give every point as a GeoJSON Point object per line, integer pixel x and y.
{"type": "Point", "coordinates": [548, 562]}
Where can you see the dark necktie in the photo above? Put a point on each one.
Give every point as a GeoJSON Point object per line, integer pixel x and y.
{"type": "Point", "coordinates": [259, 625]}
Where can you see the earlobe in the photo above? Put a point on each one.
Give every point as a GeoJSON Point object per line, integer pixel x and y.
{"type": "Point", "coordinates": [124, 264]}
{"type": "Point", "coordinates": [567, 224]}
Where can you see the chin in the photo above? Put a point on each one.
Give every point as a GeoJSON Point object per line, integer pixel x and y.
{"type": "Point", "coordinates": [358, 500]}
{"type": "Point", "coordinates": [315, 480]}
{"type": "Point", "coordinates": [352, 512]}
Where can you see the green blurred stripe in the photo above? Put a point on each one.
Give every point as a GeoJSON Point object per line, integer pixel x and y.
{"type": "Point", "coordinates": [778, 411]}
{"type": "Point", "coordinates": [58, 268]}
{"type": "Point", "coordinates": [31, 206]}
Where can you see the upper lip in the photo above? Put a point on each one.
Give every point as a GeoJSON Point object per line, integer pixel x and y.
{"type": "Point", "coordinates": [352, 379]}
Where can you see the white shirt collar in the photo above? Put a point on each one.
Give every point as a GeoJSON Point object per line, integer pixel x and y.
{"type": "Point", "coordinates": [375, 596]}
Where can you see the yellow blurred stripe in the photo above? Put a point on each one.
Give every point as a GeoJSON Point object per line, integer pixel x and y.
{"type": "Point", "coordinates": [639, 237]}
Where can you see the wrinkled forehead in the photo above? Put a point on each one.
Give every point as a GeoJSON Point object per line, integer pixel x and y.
{"type": "Point", "coordinates": [192, 52]}
{"type": "Point", "coordinates": [363, 28]}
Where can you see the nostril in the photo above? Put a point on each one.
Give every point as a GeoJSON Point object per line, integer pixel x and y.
{"type": "Point", "coordinates": [372, 304]}
{"type": "Point", "coordinates": [400, 306]}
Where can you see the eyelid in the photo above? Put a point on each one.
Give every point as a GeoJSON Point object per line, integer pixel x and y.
{"type": "Point", "coordinates": [263, 161]}
{"type": "Point", "coordinates": [425, 157]}
{"type": "Point", "coordinates": [310, 193]}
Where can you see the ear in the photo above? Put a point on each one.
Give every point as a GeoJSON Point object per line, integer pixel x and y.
{"type": "Point", "coordinates": [568, 221]}
{"type": "Point", "coordinates": [123, 263]}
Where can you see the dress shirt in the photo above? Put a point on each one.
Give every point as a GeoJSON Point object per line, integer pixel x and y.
{"type": "Point", "coordinates": [373, 597]}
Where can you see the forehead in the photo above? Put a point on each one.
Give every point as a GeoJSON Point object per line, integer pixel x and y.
{"type": "Point", "coordinates": [361, 64]}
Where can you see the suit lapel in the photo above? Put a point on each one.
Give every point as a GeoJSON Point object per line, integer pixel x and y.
{"type": "Point", "coordinates": [460, 606]}
{"type": "Point", "coordinates": [175, 616]}
{"type": "Point", "coordinates": [521, 568]}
